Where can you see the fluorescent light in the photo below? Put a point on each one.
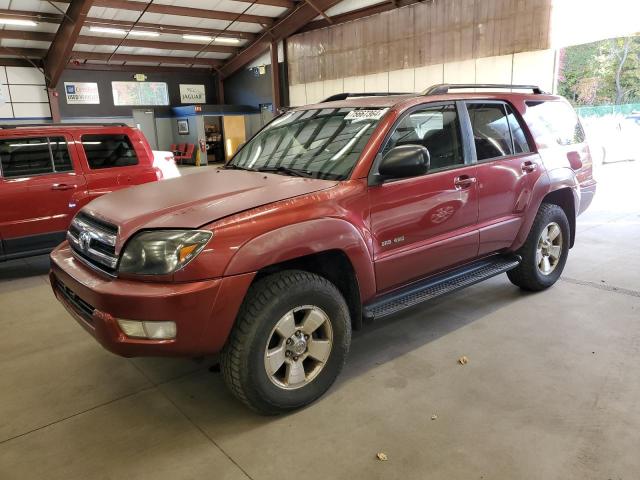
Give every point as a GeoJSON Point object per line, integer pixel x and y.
{"type": "Point", "coordinates": [107, 30]}
{"type": "Point", "coordinates": [202, 38]}
{"type": "Point", "coordinates": [15, 21]}
{"type": "Point", "coordinates": [144, 33]}
{"type": "Point", "coordinates": [227, 40]}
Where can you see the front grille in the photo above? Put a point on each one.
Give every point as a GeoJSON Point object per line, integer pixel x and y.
{"type": "Point", "coordinates": [83, 308]}
{"type": "Point", "coordinates": [94, 242]}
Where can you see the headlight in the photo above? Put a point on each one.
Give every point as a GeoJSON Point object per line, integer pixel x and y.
{"type": "Point", "coordinates": [161, 252]}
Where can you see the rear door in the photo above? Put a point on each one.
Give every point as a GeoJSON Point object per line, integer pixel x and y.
{"type": "Point", "coordinates": [114, 161]}
{"type": "Point", "coordinates": [39, 187]}
{"type": "Point", "coordinates": [506, 171]}
{"type": "Point", "coordinates": [427, 223]}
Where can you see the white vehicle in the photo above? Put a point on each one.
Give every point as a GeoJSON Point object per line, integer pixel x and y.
{"type": "Point", "coordinates": [166, 163]}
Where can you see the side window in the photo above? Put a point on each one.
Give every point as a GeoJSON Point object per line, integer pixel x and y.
{"type": "Point", "coordinates": [108, 151]}
{"type": "Point", "coordinates": [438, 129]}
{"type": "Point", "coordinates": [520, 143]}
{"type": "Point", "coordinates": [24, 157]}
{"type": "Point", "coordinates": [491, 133]}
{"type": "Point", "coordinates": [60, 153]}
{"type": "Point", "coordinates": [554, 123]}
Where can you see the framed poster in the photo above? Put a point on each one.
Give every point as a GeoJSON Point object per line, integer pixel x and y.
{"type": "Point", "coordinates": [81, 93]}
{"type": "Point", "coordinates": [183, 127]}
{"type": "Point", "coordinates": [140, 93]}
{"type": "Point", "coordinates": [192, 94]}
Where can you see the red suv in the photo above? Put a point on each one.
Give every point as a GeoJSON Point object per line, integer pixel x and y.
{"type": "Point", "coordinates": [332, 215]}
{"type": "Point", "coordinates": [49, 172]}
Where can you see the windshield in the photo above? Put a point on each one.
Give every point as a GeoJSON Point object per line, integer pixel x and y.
{"type": "Point", "coordinates": [324, 143]}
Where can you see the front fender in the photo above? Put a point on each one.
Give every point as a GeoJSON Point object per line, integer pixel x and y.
{"type": "Point", "coordinates": [307, 238]}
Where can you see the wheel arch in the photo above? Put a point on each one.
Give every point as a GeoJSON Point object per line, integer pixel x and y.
{"type": "Point", "coordinates": [329, 247]}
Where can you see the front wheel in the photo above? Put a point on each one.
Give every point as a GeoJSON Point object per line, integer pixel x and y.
{"type": "Point", "coordinates": [289, 342]}
{"type": "Point", "coordinates": [545, 251]}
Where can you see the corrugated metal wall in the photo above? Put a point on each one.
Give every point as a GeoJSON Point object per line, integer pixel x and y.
{"type": "Point", "coordinates": [436, 32]}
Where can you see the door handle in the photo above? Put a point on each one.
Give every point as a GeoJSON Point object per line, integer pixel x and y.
{"type": "Point", "coordinates": [464, 181]}
{"type": "Point", "coordinates": [62, 186]}
{"type": "Point", "coordinates": [529, 166]}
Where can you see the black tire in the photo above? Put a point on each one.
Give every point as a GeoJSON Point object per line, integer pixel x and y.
{"type": "Point", "coordinates": [527, 275]}
{"type": "Point", "coordinates": [267, 301]}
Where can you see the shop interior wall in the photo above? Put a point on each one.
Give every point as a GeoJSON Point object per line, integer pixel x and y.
{"type": "Point", "coordinates": [23, 95]}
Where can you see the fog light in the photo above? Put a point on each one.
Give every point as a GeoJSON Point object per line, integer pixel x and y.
{"type": "Point", "coordinates": [131, 328]}
{"type": "Point", "coordinates": [160, 330]}
{"type": "Point", "coordinates": [153, 330]}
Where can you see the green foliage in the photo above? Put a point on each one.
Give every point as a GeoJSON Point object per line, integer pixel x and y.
{"type": "Point", "coordinates": [604, 72]}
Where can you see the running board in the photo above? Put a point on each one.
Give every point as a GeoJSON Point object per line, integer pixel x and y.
{"type": "Point", "coordinates": [439, 285]}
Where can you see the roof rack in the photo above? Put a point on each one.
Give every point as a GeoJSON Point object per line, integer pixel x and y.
{"type": "Point", "coordinates": [344, 96]}
{"type": "Point", "coordinates": [443, 88]}
{"type": "Point", "coordinates": [88, 124]}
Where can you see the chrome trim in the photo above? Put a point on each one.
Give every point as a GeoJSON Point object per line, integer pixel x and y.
{"type": "Point", "coordinates": [95, 230]}
{"type": "Point", "coordinates": [103, 258]}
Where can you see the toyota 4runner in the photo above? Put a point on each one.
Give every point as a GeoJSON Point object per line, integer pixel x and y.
{"type": "Point", "coordinates": [332, 215]}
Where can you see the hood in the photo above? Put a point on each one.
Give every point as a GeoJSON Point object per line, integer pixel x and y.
{"type": "Point", "coordinates": [194, 200]}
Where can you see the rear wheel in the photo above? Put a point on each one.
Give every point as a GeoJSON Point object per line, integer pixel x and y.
{"type": "Point", "coordinates": [289, 342]}
{"type": "Point", "coordinates": [545, 251]}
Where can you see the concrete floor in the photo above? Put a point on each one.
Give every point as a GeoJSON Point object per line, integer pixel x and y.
{"type": "Point", "coordinates": [550, 391]}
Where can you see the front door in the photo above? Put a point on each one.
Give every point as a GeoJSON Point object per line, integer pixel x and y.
{"type": "Point", "coordinates": [426, 224]}
{"type": "Point", "coordinates": [38, 190]}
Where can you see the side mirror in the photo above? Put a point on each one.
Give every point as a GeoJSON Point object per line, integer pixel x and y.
{"type": "Point", "coordinates": [405, 161]}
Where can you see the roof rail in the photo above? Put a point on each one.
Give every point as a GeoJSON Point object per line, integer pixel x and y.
{"type": "Point", "coordinates": [443, 88]}
{"type": "Point", "coordinates": [88, 124]}
{"type": "Point", "coordinates": [344, 96]}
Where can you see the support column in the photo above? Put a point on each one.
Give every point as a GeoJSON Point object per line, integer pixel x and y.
{"type": "Point", "coordinates": [275, 78]}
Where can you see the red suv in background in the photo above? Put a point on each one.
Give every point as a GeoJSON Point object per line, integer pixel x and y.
{"type": "Point", "coordinates": [333, 214]}
{"type": "Point", "coordinates": [49, 172]}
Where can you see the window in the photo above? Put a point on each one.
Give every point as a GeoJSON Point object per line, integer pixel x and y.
{"type": "Point", "coordinates": [25, 157]}
{"type": "Point", "coordinates": [108, 151]}
{"type": "Point", "coordinates": [323, 143]}
{"type": "Point", "coordinates": [437, 129]}
{"type": "Point", "coordinates": [60, 153]}
{"type": "Point", "coordinates": [491, 133]}
{"type": "Point", "coordinates": [520, 143]}
{"type": "Point", "coordinates": [554, 123]}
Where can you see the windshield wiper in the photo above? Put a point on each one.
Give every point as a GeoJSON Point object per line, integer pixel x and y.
{"type": "Point", "coordinates": [289, 171]}
{"type": "Point", "coordinates": [233, 166]}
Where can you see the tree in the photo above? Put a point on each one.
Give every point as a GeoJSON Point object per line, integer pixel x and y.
{"type": "Point", "coordinates": [601, 72]}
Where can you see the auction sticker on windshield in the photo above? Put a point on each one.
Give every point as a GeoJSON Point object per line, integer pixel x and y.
{"type": "Point", "coordinates": [356, 115]}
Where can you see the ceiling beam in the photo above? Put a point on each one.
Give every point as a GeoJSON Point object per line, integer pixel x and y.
{"type": "Point", "coordinates": [170, 29]}
{"type": "Point", "coordinates": [158, 45]}
{"type": "Point", "coordinates": [28, 15]}
{"type": "Point", "coordinates": [129, 42]}
{"type": "Point", "coordinates": [60, 50]}
{"type": "Point", "coordinates": [183, 11]}
{"type": "Point", "coordinates": [287, 26]}
{"type": "Point", "coordinates": [121, 57]}
{"type": "Point", "coordinates": [356, 14]}
{"type": "Point", "coordinates": [273, 3]}
{"type": "Point", "coordinates": [35, 53]}
{"type": "Point", "coordinates": [135, 68]}
{"type": "Point", "coordinates": [157, 27]}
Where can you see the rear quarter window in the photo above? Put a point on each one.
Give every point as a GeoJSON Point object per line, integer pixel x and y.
{"type": "Point", "coordinates": [554, 123]}
{"type": "Point", "coordinates": [109, 151]}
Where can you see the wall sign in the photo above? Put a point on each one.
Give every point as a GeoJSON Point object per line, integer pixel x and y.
{"type": "Point", "coordinates": [192, 94]}
{"type": "Point", "coordinates": [139, 77]}
{"type": "Point", "coordinates": [81, 93]}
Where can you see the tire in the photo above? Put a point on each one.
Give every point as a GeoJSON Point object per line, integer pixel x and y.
{"type": "Point", "coordinates": [530, 274]}
{"type": "Point", "coordinates": [263, 327]}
